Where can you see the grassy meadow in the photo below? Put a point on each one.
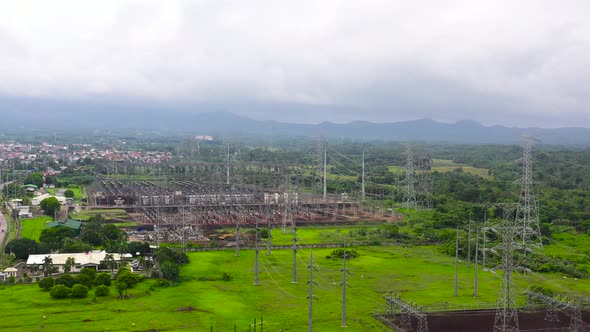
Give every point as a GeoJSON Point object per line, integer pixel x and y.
{"type": "Point", "coordinates": [31, 228]}
{"type": "Point", "coordinates": [203, 299]}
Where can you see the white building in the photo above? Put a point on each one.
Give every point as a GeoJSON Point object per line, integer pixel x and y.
{"type": "Point", "coordinates": [81, 260]}
{"type": "Point", "coordinates": [37, 200]}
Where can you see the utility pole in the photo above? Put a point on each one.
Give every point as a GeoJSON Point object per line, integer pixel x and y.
{"type": "Point", "coordinates": [483, 253]}
{"type": "Point", "coordinates": [344, 272]}
{"type": "Point", "coordinates": [476, 262]}
{"type": "Point", "coordinates": [457, 264]}
{"type": "Point", "coordinates": [256, 283]}
{"type": "Point", "coordinates": [294, 281]}
{"type": "Point", "coordinates": [269, 242]}
{"type": "Point", "coordinates": [238, 236]}
{"type": "Point", "coordinates": [310, 296]}
{"type": "Point", "coordinates": [325, 173]}
{"type": "Point", "coordinates": [469, 243]}
{"type": "Point", "coordinates": [227, 164]}
{"type": "Point", "coordinates": [363, 179]}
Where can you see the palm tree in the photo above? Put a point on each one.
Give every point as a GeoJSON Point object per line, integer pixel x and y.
{"type": "Point", "coordinates": [70, 261]}
{"type": "Point", "coordinates": [109, 261]}
{"type": "Point", "coordinates": [47, 266]}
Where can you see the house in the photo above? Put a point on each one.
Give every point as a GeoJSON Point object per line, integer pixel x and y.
{"type": "Point", "coordinates": [69, 223]}
{"type": "Point", "coordinates": [10, 272]}
{"type": "Point", "coordinates": [90, 259]}
{"type": "Point", "coordinates": [24, 211]}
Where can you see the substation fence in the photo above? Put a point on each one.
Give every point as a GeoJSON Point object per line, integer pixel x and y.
{"type": "Point", "coordinates": [440, 307]}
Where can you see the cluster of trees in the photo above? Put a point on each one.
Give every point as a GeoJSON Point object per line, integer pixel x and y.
{"type": "Point", "coordinates": [77, 286]}
{"type": "Point", "coordinates": [169, 260]}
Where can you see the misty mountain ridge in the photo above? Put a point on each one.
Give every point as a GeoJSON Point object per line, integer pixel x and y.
{"type": "Point", "coordinates": [54, 116]}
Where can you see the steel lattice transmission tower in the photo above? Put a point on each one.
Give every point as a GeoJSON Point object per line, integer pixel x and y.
{"type": "Point", "coordinates": [509, 232]}
{"type": "Point", "coordinates": [424, 166]}
{"type": "Point", "coordinates": [409, 181]}
{"type": "Point", "coordinates": [528, 212]}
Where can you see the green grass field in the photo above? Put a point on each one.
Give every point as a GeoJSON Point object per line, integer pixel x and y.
{"type": "Point", "coordinates": [78, 191]}
{"type": "Point", "coordinates": [31, 228]}
{"type": "Point", "coordinates": [445, 165]}
{"type": "Point", "coordinates": [107, 214]}
{"type": "Point", "coordinates": [420, 274]}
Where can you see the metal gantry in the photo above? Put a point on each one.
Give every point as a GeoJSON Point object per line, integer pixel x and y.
{"type": "Point", "coordinates": [407, 311]}
{"type": "Point", "coordinates": [554, 305]}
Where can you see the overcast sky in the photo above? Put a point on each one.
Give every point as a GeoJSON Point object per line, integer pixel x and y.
{"type": "Point", "coordinates": [522, 63]}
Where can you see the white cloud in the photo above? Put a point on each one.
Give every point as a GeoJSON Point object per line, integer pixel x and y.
{"type": "Point", "coordinates": [444, 59]}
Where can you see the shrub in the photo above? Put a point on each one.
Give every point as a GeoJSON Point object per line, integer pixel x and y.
{"type": "Point", "coordinates": [89, 272]}
{"type": "Point", "coordinates": [85, 279]}
{"type": "Point", "coordinates": [67, 280]}
{"type": "Point", "coordinates": [11, 280]}
{"type": "Point", "coordinates": [79, 291]}
{"type": "Point", "coordinates": [226, 276]}
{"type": "Point", "coordinates": [46, 283]}
{"type": "Point", "coordinates": [60, 292]}
{"type": "Point", "coordinates": [103, 278]}
{"type": "Point", "coordinates": [170, 271]}
{"type": "Point", "coordinates": [102, 290]}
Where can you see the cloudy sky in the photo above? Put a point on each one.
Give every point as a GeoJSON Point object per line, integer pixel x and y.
{"type": "Point", "coordinates": [522, 63]}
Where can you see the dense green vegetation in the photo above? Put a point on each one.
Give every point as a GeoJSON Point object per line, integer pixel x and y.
{"type": "Point", "coordinates": [205, 298]}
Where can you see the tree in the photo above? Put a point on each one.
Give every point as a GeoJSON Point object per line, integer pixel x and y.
{"type": "Point", "coordinates": [21, 248]}
{"type": "Point", "coordinates": [54, 237]}
{"type": "Point", "coordinates": [50, 206]}
{"type": "Point", "coordinates": [91, 233]}
{"type": "Point", "coordinates": [66, 280]}
{"type": "Point", "coordinates": [47, 266]}
{"type": "Point", "coordinates": [60, 292]}
{"type": "Point", "coordinates": [69, 193]}
{"type": "Point", "coordinates": [122, 289]}
{"type": "Point", "coordinates": [103, 278]}
{"type": "Point", "coordinates": [70, 261]}
{"type": "Point", "coordinates": [84, 279]}
{"type": "Point", "coordinates": [46, 283]}
{"type": "Point", "coordinates": [79, 291]}
{"type": "Point", "coordinates": [34, 178]}
{"type": "Point", "coordinates": [102, 290]}
{"type": "Point", "coordinates": [170, 271]}
{"type": "Point", "coordinates": [109, 261]}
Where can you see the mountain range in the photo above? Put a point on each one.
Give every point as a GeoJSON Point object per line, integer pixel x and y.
{"type": "Point", "coordinates": [16, 115]}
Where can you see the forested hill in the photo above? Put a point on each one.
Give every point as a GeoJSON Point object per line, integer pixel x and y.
{"type": "Point", "coordinates": [26, 115]}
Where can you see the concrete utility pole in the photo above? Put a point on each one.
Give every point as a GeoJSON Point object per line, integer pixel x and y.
{"type": "Point", "coordinates": [256, 283]}
{"type": "Point", "coordinates": [476, 262]}
{"type": "Point", "coordinates": [227, 164]}
{"type": "Point", "coordinates": [483, 253]}
{"type": "Point", "coordinates": [457, 264]}
{"type": "Point", "coordinates": [310, 296]}
{"type": "Point", "coordinates": [269, 241]}
{"type": "Point", "coordinates": [238, 236]}
{"type": "Point", "coordinates": [344, 272]}
{"type": "Point", "coordinates": [363, 180]}
{"type": "Point", "coordinates": [325, 173]}
{"type": "Point", "coordinates": [469, 243]}
{"type": "Point", "coordinates": [294, 281]}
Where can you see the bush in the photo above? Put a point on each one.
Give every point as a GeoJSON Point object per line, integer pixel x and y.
{"type": "Point", "coordinates": [79, 291]}
{"type": "Point", "coordinates": [67, 280]}
{"type": "Point", "coordinates": [46, 283]}
{"type": "Point", "coordinates": [102, 290]}
{"type": "Point", "coordinates": [91, 272]}
{"type": "Point", "coordinates": [85, 279]}
{"type": "Point", "coordinates": [103, 278]}
{"type": "Point", "coordinates": [60, 292]}
{"type": "Point", "coordinates": [170, 271]}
